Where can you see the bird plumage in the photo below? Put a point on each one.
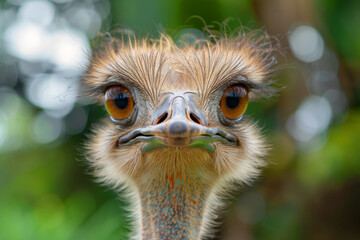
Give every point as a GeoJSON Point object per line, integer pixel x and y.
{"type": "Point", "coordinates": [175, 190]}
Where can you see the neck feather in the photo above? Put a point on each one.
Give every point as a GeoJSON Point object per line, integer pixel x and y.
{"type": "Point", "coordinates": [173, 202]}
{"type": "Point", "coordinates": [173, 207]}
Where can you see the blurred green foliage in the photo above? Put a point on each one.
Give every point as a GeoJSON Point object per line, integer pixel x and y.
{"type": "Point", "coordinates": [47, 193]}
{"type": "Point", "coordinates": [338, 161]}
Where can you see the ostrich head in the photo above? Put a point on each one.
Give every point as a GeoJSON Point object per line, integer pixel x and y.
{"type": "Point", "coordinates": [177, 136]}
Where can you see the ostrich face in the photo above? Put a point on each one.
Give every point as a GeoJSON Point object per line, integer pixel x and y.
{"type": "Point", "coordinates": [172, 107]}
{"type": "Point", "coordinates": [179, 122]}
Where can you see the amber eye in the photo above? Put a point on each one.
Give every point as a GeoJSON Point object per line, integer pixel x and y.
{"type": "Point", "coordinates": [234, 101]}
{"type": "Point", "coordinates": [119, 102]}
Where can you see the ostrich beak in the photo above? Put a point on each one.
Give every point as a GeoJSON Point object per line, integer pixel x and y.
{"type": "Point", "coordinates": [179, 124]}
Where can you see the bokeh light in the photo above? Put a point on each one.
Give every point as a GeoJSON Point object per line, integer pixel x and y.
{"type": "Point", "coordinates": [52, 92]}
{"type": "Point", "coordinates": [311, 118]}
{"type": "Point", "coordinates": [46, 128]}
{"type": "Point", "coordinates": [29, 11]}
{"type": "Point", "coordinates": [25, 40]}
{"type": "Point", "coordinates": [306, 43]}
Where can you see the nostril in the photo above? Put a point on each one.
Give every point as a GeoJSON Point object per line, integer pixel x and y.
{"type": "Point", "coordinates": [194, 118]}
{"type": "Point", "coordinates": [161, 119]}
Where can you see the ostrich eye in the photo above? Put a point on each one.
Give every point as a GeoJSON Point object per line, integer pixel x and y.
{"type": "Point", "coordinates": [234, 101]}
{"type": "Point", "coordinates": [119, 102]}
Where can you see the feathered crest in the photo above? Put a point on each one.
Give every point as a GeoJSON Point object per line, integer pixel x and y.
{"type": "Point", "coordinates": [209, 60]}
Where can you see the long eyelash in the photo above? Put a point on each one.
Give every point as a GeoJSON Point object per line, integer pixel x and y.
{"type": "Point", "coordinates": [255, 90]}
{"type": "Point", "coordinates": [97, 92]}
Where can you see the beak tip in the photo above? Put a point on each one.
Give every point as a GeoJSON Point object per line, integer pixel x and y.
{"type": "Point", "coordinates": [178, 128]}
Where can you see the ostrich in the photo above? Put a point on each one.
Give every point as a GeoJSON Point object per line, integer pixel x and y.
{"type": "Point", "coordinates": [176, 138]}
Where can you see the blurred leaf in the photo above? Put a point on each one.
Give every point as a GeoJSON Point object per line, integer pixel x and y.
{"type": "Point", "coordinates": [338, 160]}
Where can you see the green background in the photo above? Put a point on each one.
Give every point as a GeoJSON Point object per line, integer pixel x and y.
{"type": "Point", "coordinates": [47, 192]}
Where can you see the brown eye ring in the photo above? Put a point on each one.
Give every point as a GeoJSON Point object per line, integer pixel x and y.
{"type": "Point", "coordinates": [119, 102]}
{"type": "Point", "coordinates": [234, 101]}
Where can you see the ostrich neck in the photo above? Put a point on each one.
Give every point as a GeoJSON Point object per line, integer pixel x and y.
{"type": "Point", "coordinates": [173, 205]}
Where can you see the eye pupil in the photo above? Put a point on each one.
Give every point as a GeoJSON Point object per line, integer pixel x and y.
{"type": "Point", "coordinates": [121, 100]}
{"type": "Point", "coordinates": [232, 100]}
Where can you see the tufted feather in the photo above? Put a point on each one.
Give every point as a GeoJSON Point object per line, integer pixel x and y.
{"type": "Point", "coordinates": [176, 191]}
